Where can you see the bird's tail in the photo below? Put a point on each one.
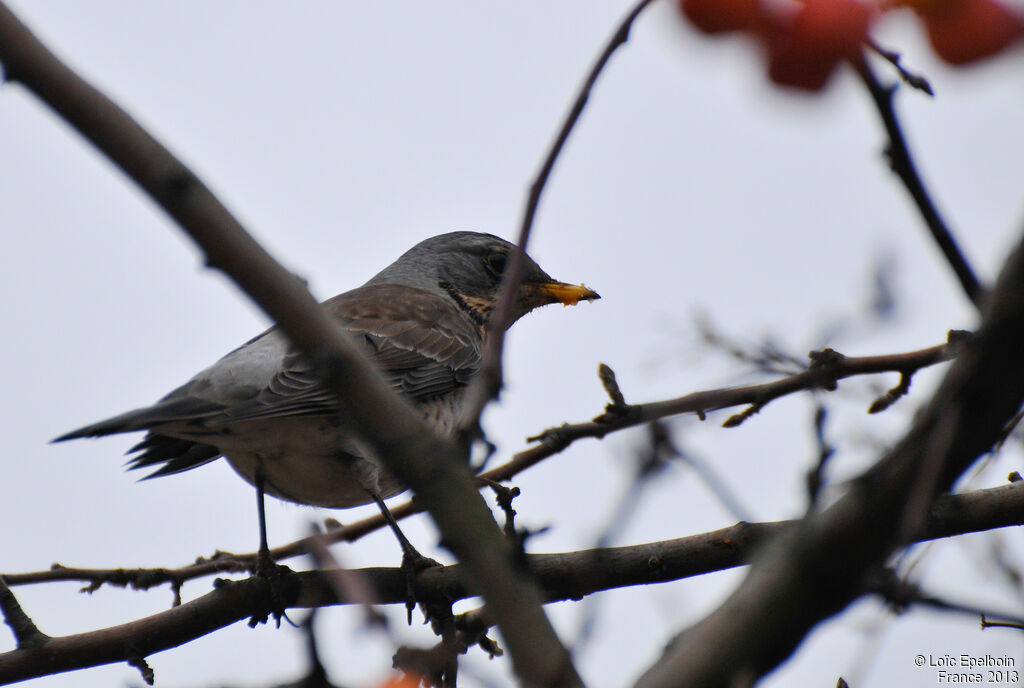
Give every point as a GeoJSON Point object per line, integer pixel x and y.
{"type": "Point", "coordinates": [168, 411]}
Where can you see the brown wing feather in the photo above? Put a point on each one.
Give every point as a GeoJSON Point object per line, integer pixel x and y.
{"type": "Point", "coordinates": [423, 346]}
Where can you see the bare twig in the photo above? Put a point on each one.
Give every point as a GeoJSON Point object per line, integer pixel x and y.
{"type": "Point", "coordinates": [892, 396]}
{"type": "Point", "coordinates": [985, 623]}
{"type": "Point", "coordinates": [827, 367]}
{"type": "Point", "coordinates": [487, 384]}
{"type": "Point", "coordinates": [815, 477]}
{"type": "Point", "coordinates": [903, 593]}
{"type": "Point", "coordinates": [26, 634]}
{"type": "Point", "coordinates": [504, 496]}
{"type": "Point", "coordinates": [140, 663]}
{"type": "Point", "coordinates": [896, 60]}
{"type": "Point", "coordinates": [716, 484]}
{"type": "Point", "coordinates": [903, 165]}
{"type": "Point", "coordinates": [765, 357]}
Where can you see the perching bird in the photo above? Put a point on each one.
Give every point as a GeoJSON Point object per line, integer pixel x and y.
{"type": "Point", "coordinates": [422, 321]}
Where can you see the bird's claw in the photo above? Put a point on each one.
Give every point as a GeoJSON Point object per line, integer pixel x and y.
{"type": "Point", "coordinates": [414, 563]}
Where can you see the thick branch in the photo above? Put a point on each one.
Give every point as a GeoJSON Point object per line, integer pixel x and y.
{"type": "Point", "coordinates": [377, 415]}
{"type": "Point", "coordinates": [561, 576]}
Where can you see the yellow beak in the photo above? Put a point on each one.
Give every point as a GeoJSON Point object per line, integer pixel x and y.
{"type": "Point", "coordinates": [566, 294]}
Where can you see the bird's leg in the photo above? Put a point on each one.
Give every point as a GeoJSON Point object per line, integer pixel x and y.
{"type": "Point", "coordinates": [412, 561]}
{"type": "Point", "coordinates": [265, 566]}
{"type": "Point", "coordinates": [368, 474]}
{"type": "Point", "coordinates": [407, 547]}
{"type": "Point", "coordinates": [264, 562]}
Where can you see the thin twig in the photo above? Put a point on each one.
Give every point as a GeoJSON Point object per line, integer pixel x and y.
{"type": "Point", "coordinates": [816, 476]}
{"type": "Point", "coordinates": [985, 623]}
{"type": "Point", "coordinates": [901, 593]}
{"type": "Point", "coordinates": [903, 165]}
{"type": "Point", "coordinates": [896, 60]}
{"type": "Point", "coordinates": [488, 382]}
{"type": "Point", "coordinates": [139, 662]}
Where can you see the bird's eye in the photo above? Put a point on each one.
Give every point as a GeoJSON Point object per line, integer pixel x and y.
{"type": "Point", "coordinates": [496, 262]}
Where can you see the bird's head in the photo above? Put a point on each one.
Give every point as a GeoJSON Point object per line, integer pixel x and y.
{"type": "Point", "coordinates": [468, 267]}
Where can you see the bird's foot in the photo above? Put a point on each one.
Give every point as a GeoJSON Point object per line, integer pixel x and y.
{"type": "Point", "coordinates": [414, 563]}
{"type": "Point", "coordinates": [279, 583]}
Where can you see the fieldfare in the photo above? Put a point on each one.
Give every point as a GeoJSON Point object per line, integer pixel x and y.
{"type": "Point", "coordinates": [422, 321]}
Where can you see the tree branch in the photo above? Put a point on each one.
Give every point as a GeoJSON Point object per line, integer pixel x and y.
{"type": "Point", "coordinates": [568, 576]}
{"type": "Point", "coordinates": [488, 382]}
{"type": "Point", "coordinates": [903, 165]}
{"type": "Point", "coordinates": [814, 569]}
{"type": "Point", "coordinates": [826, 368]}
{"type": "Point", "coordinates": [26, 634]}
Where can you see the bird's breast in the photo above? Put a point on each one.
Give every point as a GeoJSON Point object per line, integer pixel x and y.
{"type": "Point", "coordinates": [313, 460]}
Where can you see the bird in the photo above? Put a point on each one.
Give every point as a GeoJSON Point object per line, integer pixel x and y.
{"type": "Point", "coordinates": [422, 321]}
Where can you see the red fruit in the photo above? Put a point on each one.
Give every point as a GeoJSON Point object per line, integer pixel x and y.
{"type": "Point", "coordinates": [719, 16]}
{"type": "Point", "coordinates": [804, 50]}
{"type": "Point", "coordinates": [792, 63]}
{"type": "Point", "coordinates": [962, 31]}
{"type": "Point", "coordinates": [833, 27]}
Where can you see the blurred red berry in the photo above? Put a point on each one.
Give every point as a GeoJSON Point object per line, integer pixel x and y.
{"type": "Point", "coordinates": [791, 63]}
{"type": "Point", "coordinates": [804, 50]}
{"type": "Point", "coordinates": [962, 31]}
{"type": "Point", "coordinates": [719, 16]}
{"type": "Point", "coordinates": [833, 27]}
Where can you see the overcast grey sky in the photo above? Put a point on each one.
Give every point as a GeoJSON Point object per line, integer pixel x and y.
{"type": "Point", "coordinates": [342, 133]}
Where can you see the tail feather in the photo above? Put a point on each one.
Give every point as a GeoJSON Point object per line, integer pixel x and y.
{"type": "Point", "coordinates": [170, 411]}
{"type": "Point", "coordinates": [175, 454]}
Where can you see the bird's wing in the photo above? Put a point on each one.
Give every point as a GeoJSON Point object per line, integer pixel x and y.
{"type": "Point", "coordinates": [421, 344]}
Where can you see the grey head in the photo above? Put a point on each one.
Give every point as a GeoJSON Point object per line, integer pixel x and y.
{"type": "Point", "coordinates": [468, 267]}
